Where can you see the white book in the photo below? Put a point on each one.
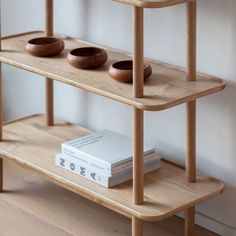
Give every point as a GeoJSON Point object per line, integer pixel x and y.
{"type": "Point", "coordinates": [104, 151]}
{"type": "Point", "coordinates": [73, 166]}
{"type": "Point", "coordinates": [148, 158]}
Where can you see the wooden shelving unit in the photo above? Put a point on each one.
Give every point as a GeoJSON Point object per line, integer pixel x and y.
{"type": "Point", "coordinates": [152, 197]}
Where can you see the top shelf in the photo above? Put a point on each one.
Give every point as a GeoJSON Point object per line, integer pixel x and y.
{"type": "Point", "coordinates": [153, 3]}
{"type": "Point", "coordinates": [167, 87]}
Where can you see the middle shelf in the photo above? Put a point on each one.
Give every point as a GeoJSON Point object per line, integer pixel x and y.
{"type": "Point", "coordinates": [167, 87]}
{"type": "Point", "coordinates": [32, 144]}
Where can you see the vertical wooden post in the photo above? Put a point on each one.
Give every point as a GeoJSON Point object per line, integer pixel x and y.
{"type": "Point", "coordinates": [138, 173]}
{"type": "Point", "coordinates": [48, 81]}
{"type": "Point", "coordinates": [189, 221]}
{"type": "Point", "coordinates": [191, 113]}
{"type": "Point", "coordinates": [138, 52]}
{"type": "Point", "coordinates": [138, 114]}
{"type": "Point", "coordinates": [137, 227]}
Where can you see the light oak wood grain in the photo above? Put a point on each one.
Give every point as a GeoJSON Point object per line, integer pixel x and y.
{"type": "Point", "coordinates": [34, 145]}
{"type": "Point", "coordinates": [167, 87]}
{"type": "Point", "coordinates": [191, 20]}
{"type": "Point", "coordinates": [138, 173]}
{"type": "Point", "coordinates": [191, 12]}
{"type": "Point", "coordinates": [138, 52]}
{"type": "Point", "coordinates": [191, 142]}
{"type": "Point", "coordinates": [32, 195]}
{"type": "Point", "coordinates": [153, 3]}
{"type": "Point", "coordinates": [190, 221]}
{"type": "Point", "coordinates": [49, 82]}
{"type": "Point", "coordinates": [49, 18]}
{"type": "Point", "coordinates": [137, 226]}
{"type": "Point", "coordinates": [17, 222]}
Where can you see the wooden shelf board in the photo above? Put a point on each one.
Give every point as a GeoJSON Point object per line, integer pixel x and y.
{"type": "Point", "coordinates": [153, 3]}
{"type": "Point", "coordinates": [166, 88]}
{"type": "Point", "coordinates": [33, 203]}
{"type": "Point", "coordinates": [34, 145]}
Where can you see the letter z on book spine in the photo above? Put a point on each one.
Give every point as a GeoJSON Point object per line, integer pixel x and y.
{"type": "Point", "coordinates": [72, 165]}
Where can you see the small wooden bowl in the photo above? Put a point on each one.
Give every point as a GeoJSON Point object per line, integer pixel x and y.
{"type": "Point", "coordinates": [87, 57]}
{"type": "Point", "coordinates": [45, 46]}
{"type": "Point", "coordinates": [123, 71]}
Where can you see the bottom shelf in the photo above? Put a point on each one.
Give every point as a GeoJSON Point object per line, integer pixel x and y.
{"type": "Point", "coordinates": [32, 144]}
{"type": "Point", "coordinates": [36, 207]}
{"type": "Point", "coordinates": [28, 204]}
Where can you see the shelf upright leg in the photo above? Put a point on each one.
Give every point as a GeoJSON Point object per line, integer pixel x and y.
{"type": "Point", "coordinates": [48, 81]}
{"type": "Point", "coordinates": [138, 174]}
{"type": "Point", "coordinates": [1, 105]}
{"type": "Point", "coordinates": [191, 113]}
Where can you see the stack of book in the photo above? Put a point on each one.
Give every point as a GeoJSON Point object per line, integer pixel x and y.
{"type": "Point", "coordinates": [104, 157]}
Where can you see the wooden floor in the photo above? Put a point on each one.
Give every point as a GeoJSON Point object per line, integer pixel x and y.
{"type": "Point", "coordinates": [32, 206]}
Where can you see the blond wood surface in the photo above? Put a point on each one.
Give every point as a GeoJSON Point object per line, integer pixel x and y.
{"type": "Point", "coordinates": [48, 81]}
{"type": "Point", "coordinates": [29, 194]}
{"type": "Point", "coordinates": [49, 17]}
{"type": "Point", "coordinates": [17, 222]}
{"type": "Point", "coordinates": [49, 101]}
{"type": "Point", "coordinates": [153, 3]}
{"type": "Point", "coordinates": [138, 52]}
{"type": "Point", "coordinates": [190, 163]}
{"type": "Point", "coordinates": [34, 146]}
{"type": "Point", "coordinates": [138, 173]}
{"type": "Point", "coordinates": [191, 40]}
{"type": "Point", "coordinates": [191, 142]}
{"type": "Point", "coordinates": [167, 87]}
{"type": "Point", "coordinates": [189, 221]}
{"type": "Point", "coordinates": [191, 111]}
{"type": "Point", "coordinates": [137, 227]}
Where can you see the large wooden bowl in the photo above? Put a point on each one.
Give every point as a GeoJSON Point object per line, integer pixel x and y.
{"type": "Point", "coordinates": [45, 46]}
{"type": "Point", "coordinates": [87, 57]}
{"type": "Point", "coordinates": [123, 71]}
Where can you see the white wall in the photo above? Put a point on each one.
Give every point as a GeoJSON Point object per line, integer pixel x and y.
{"type": "Point", "coordinates": [109, 23]}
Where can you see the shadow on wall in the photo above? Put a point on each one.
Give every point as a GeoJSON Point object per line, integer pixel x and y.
{"type": "Point", "coordinates": [76, 17]}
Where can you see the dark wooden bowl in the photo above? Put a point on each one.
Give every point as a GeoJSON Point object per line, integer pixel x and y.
{"type": "Point", "coordinates": [123, 71]}
{"type": "Point", "coordinates": [45, 46]}
{"type": "Point", "coordinates": [87, 57]}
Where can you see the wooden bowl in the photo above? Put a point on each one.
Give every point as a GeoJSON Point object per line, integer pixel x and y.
{"type": "Point", "coordinates": [45, 46]}
{"type": "Point", "coordinates": [87, 57]}
{"type": "Point", "coordinates": [123, 71]}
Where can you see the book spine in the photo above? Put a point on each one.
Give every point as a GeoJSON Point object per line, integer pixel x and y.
{"type": "Point", "coordinates": [75, 167]}
{"type": "Point", "coordinates": [88, 160]}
